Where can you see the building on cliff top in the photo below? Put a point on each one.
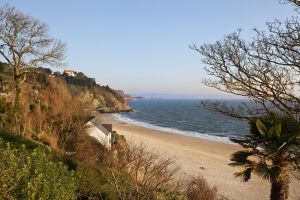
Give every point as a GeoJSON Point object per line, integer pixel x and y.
{"type": "Point", "coordinates": [70, 73]}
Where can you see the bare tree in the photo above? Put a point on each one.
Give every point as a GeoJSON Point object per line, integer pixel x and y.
{"type": "Point", "coordinates": [295, 3]}
{"type": "Point", "coordinates": [147, 173]}
{"type": "Point", "coordinates": [266, 69]}
{"type": "Point", "coordinates": [26, 44]}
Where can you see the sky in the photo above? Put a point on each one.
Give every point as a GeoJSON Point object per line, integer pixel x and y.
{"type": "Point", "coordinates": [142, 46]}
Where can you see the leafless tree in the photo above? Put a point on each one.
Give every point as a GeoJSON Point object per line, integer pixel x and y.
{"type": "Point", "coordinates": [266, 69]}
{"type": "Point", "coordinates": [26, 44]}
{"type": "Point", "coordinates": [295, 3]}
{"type": "Point", "coordinates": [146, 173]}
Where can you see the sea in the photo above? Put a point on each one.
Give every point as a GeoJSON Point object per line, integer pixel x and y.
{"type": "Point", "coordinates": [184, 117]}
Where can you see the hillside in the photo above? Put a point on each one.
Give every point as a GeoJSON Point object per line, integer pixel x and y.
{"type": "Point", "coordinates": [96, 96]}
{"type": "Point", "coordinates": [102, 97]}
{"type": "Point", "coordinates": [45, 151]}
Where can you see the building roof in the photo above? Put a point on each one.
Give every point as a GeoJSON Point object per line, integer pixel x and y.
{"type": "Point", "coordinates": [66, 71]}
{"type": "Point", "coordinates": [99, 125]}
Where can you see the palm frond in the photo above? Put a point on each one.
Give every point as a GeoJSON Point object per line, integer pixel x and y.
{"type": "Point", "coordinates": [241, 158]}
{"type": "Point", "coordinates": [275, 130]}
{"type": "Point", "coordinates": [273, 138]}
{"type": "Point", "coordinates": [279, 149]}
{"type": "Point", "coordinates": [244, 173]}
{"type": "Point", "coordinates": [262, 129]}
{"type": "Point", "coordinates": [267, 172]}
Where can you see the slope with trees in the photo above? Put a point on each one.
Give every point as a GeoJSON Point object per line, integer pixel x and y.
{"type": "Point", "coordinates": [101, 97]}
{"type": "Point", "coordinates": [25, 44]}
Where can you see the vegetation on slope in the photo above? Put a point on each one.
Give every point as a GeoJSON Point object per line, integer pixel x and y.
{"type": "Point", "coordinates": [54, 116]}
{"type": "Point", "coordinates": [30, 170]}
{"type": "Point", "coordinates": [48, 113]}
{"type": "Point", "coordinates": [101, 97]}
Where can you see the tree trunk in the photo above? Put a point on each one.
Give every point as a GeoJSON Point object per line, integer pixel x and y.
{"type": "Point", "coordinates": [17, 83]}
{"type": "Point", "coordinates": [17, 103]}
{"type": "Point", "coordinates": [280, 187]}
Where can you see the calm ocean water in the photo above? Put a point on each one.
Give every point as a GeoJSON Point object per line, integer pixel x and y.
{"type": "Point", "coordinates": [184, 117]}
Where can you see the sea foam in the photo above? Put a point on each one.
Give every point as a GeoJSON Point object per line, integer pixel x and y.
{"type": "Point", "coordinates": [212, 137]}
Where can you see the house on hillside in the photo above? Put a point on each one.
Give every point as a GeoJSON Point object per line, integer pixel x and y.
{"type": "Point", "coordinates": [70, 73]}
{"type": "Point", "coordinates": [101, 132]}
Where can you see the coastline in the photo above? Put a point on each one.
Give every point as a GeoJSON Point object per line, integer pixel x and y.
{"type": "Point", "coordinates": [128, 120]}
{"type": "Point", "coordinates": [198, 156]}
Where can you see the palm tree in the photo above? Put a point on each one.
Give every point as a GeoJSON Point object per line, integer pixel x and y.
{"type": "Point", "coordinates": [271, 150]}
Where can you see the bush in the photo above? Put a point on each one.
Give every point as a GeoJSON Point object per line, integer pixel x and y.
{"type": "Point", "coordinates": [137, 173]}
{"type": "Point", "coordinates": [17, 141]}
{"type": "Point", "coordinates": [198, 189]}
{"type": "Point", "coordinates": [29, 170]}
{"type": "Point", "coordinates": [90, 183]}
{"type": "Point", "coordinates": [31, 174]}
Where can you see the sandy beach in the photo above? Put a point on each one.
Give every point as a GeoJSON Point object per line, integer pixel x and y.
{"type": "Point", "coordinates": [199, 156]}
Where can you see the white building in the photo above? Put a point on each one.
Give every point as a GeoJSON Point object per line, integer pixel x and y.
{"type": "Point", "coordinates": [69, 73]}
{"type": "Point", "coordinates": [101, 132]}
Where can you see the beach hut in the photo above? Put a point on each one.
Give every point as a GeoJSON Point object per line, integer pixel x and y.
{"type": "Point", "coordinates": [101, 132]}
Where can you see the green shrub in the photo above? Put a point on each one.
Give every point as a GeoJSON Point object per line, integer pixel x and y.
{"type": "Point", "coordinates": [17, 140]}
{"type": "Point", "coordinates": [90, 182]}
{"type": "Point", "coordinates": [31, 174]}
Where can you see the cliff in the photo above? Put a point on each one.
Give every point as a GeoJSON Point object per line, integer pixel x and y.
{"type": "Point", "coordinates": [128, 97]}
{"type": "Point", "coordinates": [102, 98]}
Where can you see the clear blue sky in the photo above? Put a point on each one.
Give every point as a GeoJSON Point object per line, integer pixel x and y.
{"type": "Point", "coordinates": [141, 46]}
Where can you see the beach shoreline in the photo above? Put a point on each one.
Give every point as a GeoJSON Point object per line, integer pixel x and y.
{"type": "Point", "coordinates": [204, 136]}
{"type": "Point", "coordinates": [197, 156]}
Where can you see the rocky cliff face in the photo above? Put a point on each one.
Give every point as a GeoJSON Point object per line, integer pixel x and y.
{"type": "Point", "coordinates": [102, 98]}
